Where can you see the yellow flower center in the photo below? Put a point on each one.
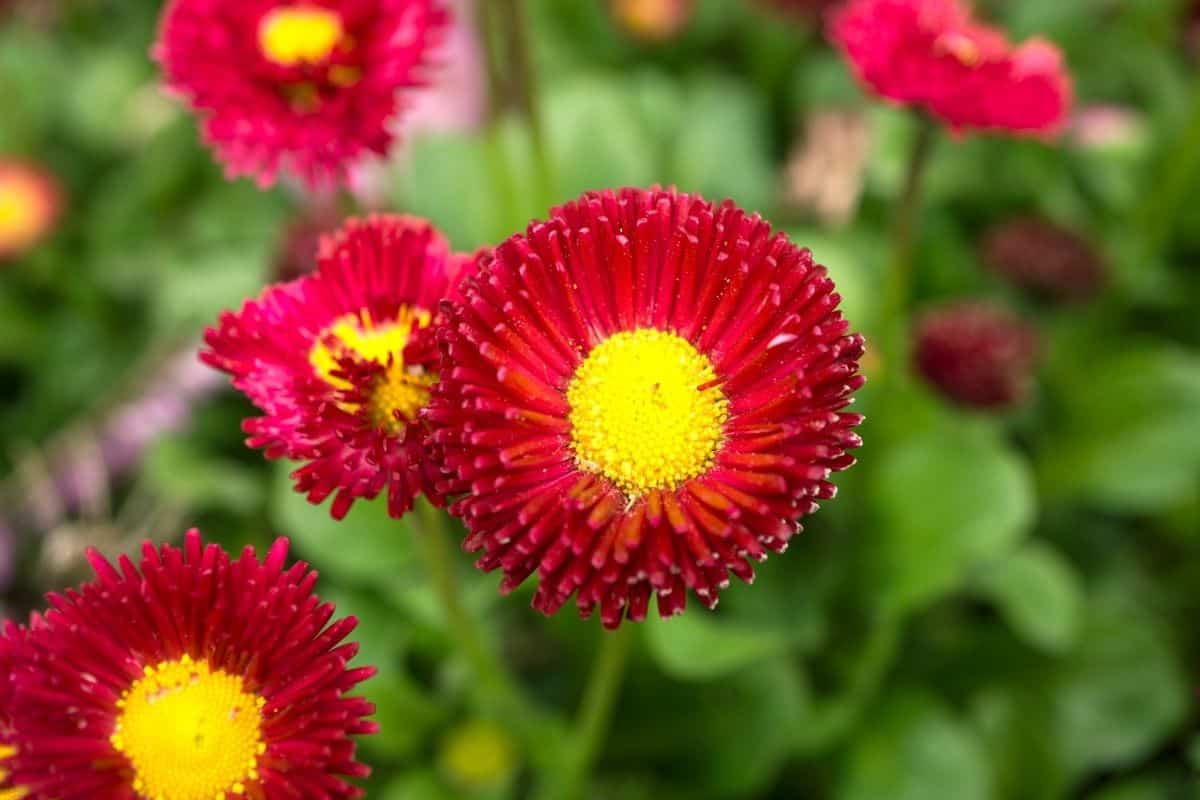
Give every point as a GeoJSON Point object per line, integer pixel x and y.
{"type": "Point", "coordinates": [960, 47]}
{"type": "Point", "coordinates": [403, 389]}
{"type": "Point", "coordinates": [13, 793]}
{"type": "Point", "coordinates": [191, 733]}
{"type": "Point", "coordinates": [299, 34]}
{"type": "Point", "coordinates": [644, 411]}
{"type": "Point", "coordinates": [22, 211]}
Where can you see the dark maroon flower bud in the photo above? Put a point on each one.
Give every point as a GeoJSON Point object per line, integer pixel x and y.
{"type": "Point", "coordinates": [1045, 258]}
{"type": "Point", "coordinates": [977, 354]}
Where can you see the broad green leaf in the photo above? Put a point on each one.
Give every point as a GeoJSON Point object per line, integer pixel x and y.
{"type": "Point", "coordinates": [697, 646]}
{"type": "Point", "coordinates": [915, 749]}
{"type": "Point", "coordinates": [947, 501]}
{"type": "Point", "coordinates": [1039, 593]}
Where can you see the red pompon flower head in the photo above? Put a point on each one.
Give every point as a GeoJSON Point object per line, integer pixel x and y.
{"type": "Point", "coordinates": [193, 676]}
{"type": "Point", "coordinates": [933, 55]}
{"type": "Point", "coordinates": [1045, 258]}
{"type": "Point", "coordinates": [977, 354]}
{"type": "Point", "coordinates": [30, 201]}
{"type": "Point", "coordinates": [306, 86]}
{"type": "Point", "coordinates": [341, 361]}
{"type": "Point", "coordinates": [640, 396]}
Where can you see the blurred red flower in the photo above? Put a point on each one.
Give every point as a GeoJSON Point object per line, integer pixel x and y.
{"type": "Point", "coordinates": [640, 396]}
{"type": "Point", "coordinates": [1045, 258]}
{"type": "Point", "coordinates": [976, 354]}
{"type": "Point", "coordinates": [307, 87]}
{"type": "Point", "coordinates": [931, 54]}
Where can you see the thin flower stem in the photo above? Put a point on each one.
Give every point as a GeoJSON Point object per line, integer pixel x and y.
{"type": "Point", "coordinates": [595, 715]}
{"type": "Point", "coordinates": [492, 678]}
{"type": "Point", "coordinates": [897, 282]}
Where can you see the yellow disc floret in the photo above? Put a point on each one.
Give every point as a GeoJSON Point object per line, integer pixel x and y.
{"type": "Point", "coordinates": [22, 211]}
{"type": "Point", "coordinates": [15, 792]}
{"type": "Point", "coordinates": [645, 411]}
{"type": "Point", "coordinates": [299, 34]}
{"type": "Point", "coordinates": [403, 389]}
{"type": "Point", "coordinates": [190, 732]}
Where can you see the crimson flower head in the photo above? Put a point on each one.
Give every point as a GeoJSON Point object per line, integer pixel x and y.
{"type": "Point", "coordinates": [306, 86]}
{"type": "Point", "coordinates": [30, 201]}
{"type": "Point", "coordinates": [931, 54]}
{"type": "Point", "coordinates": [340, 362]}
{"type": "Point", "coordinates": [640, 396]}
{"type": "Point", "coordinates": [1045, 258]}
{"type": "Point", "coordinates": [977, 354]}
{"type": "Point", "coordinates": [193, 676]}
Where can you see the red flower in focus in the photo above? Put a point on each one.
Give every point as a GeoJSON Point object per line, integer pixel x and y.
{"type": "Point", "coordinates": [1045, 258]}
{"type": "Point", "coordinates": [192, 677]}
{"type": "Point", "coordinates": [309, 86]}
{"type": "Point", "coordinates": [341, 361]}
{"type": "Point", "coordinates": [30, 202]}
{"type": "Point", "coordinates": [977, 354]}
{"type": "Point", "coordinates": [640, 396]}
{"type": "Point", "coordinates": [933, 55]}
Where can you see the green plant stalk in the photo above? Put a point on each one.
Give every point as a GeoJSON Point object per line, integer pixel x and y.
{"type": "Point", "coordinates": [1171, 182]}
{"type": "Point", "coordinates": [898, 280]}
{"type": "Point", "coordinates": [492, 680]}
{"type": "Point", "coordinates": [594, 718]}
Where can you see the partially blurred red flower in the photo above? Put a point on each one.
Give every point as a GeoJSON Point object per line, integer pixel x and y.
{"type": "Point", "coordinates": [639, 397]}
{"type": "Point", "coordinates": [1045, 258]}
{"type": "Point", "coordinates": [30, 202]}
{"type": "Point", "coordinates": [977, 354]}
{"type": "Point", "coordinates": [931, 54]}
{"type": "Point", "coordinates": [652, 20]}
{"type": "Point", "coordinates": [309, 87]}
{"type": "Point", "coordinates": [341, 361]}
{"type": "Point", "coordinates": [193, 676]}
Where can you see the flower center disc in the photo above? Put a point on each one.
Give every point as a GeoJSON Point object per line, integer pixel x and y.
{"type": "Point", "coordinates": [301, 34]}
{"type": "Point", "coordinates": [190, 732]}
{"type": "Point", "coordinates": [16, 793]}
{"type": "Point", "coordinates": [639, 416]}
{"type": "Point", "coordinates": [21, 211]}
{"type": "Point", "coordinates": [402, 389]}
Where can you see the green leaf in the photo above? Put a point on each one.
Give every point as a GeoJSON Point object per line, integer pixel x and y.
{"type": "Point", "coordinates": [698, 646]}
{"type": "Point", "coordinates": [946, 501]}
{"type": "Point", "coordinates": [914, 749]}
{"type": "Point", "coordinates": [367, 545]}
{"type": "Point", "coordinates": [1039, 593]}
{"type": "Point", "coordinates": [1128, 436]}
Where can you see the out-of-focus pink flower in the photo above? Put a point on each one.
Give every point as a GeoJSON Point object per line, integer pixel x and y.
{"type": "Point", "coordinates": [932, 55]}
{"type": "Point", "coordinates": [824, 172]}
{"type": "Point", "coordinates": [1100, 127]}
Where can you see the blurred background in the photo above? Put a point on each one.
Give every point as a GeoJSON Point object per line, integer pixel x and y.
{"type": "Point", "coordinates": [1001, 603]}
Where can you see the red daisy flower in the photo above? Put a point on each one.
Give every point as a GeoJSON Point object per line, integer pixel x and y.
{"type": "Point", "coordinates": [1045, 258]}
{"type": "Point", "coordinates": [341, 361]}
{"type": "Point", "coordinates": [932, 54]}
{"type": "Point", "coordinates": [309, 86]}
{"type": "Point", "coordinates": [639, 396]}
{"type": "Point", "coordinates": [30, 201]}
{"type": "Point", "coordinates": [976, 354]}
{"type": "Point", "coordinates": [192, 678]}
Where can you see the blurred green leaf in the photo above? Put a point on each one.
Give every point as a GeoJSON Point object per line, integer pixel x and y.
{"type": "Point", "coordinates": [947, 501]}
{"type": "Point", "coordinates": [914, 749]}
{"type": "Point", "coordinates": [1128, 434]}
{"type": "Point", "coordinates": [1039, 594]}
{"type": "Point", "coordinates": [697, 646]}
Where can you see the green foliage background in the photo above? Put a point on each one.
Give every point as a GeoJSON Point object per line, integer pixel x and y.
{"type": "Point", "coordinates": [994, 608]}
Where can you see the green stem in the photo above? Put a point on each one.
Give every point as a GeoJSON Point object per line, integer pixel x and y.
{"type": "Point", "coordinates": [1175, 176]}
{"type": "Point", "coordinates": [492, 679]}
{"type": "Point", "coordinates": [595, 715]}
{"type": "Point", "coordinates": [897, 282]}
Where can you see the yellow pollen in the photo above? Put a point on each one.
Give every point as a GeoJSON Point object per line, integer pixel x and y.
{"type": "Point", "coordinates": [961, 47]}
{"type": "Point", "coordinates": [191, 733]}
{"type": "Point", "coordinates": [402, 388]}
{"type": "Point", "coordinates": [299, 34]}
{"type": "Point", "coordinates": [15, 792]}
{"type": "Point", "coordinates": [639, 416]}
